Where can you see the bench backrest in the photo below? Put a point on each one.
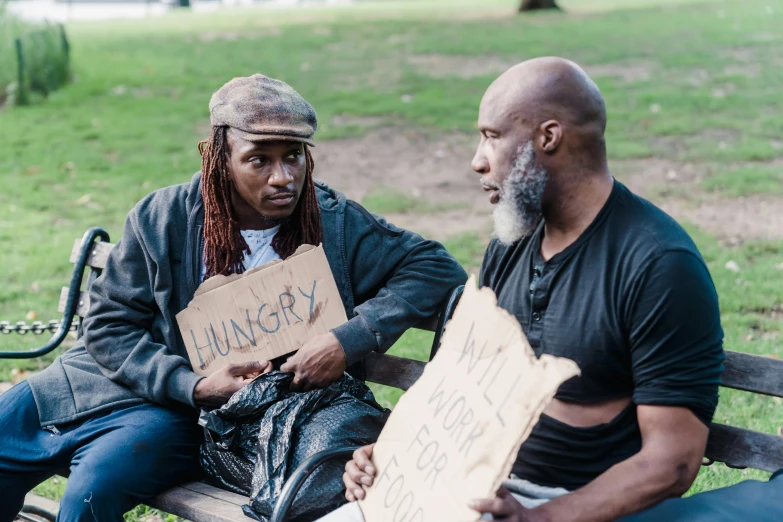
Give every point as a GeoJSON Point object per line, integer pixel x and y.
{"type": "Point", "coordinates": [736, 447]}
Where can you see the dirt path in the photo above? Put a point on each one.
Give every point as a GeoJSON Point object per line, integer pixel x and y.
{"type": "Point", "coordinates": [437, 170]}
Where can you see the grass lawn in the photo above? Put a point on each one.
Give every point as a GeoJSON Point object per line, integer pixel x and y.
{"type": "Point", "coordinates": [694, 84]}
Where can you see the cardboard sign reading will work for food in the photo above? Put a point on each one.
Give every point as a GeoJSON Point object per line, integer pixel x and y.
{"type": "Point", "coordinates": [455, 433]}
{"type": "Point", "coordinates": [264, 313]}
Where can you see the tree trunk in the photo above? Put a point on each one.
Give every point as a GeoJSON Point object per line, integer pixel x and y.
{"type": "Point", "coordinates": [532, 5]}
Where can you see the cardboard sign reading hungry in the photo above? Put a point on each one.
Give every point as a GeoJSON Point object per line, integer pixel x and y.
{"type": "Point", "coordinates": [455, 433]}
{"type": "Point", "coordinates": [264, 313]}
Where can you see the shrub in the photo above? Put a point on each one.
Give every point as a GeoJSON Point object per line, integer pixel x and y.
{"type": "Point", "coordinates": [44, 58]}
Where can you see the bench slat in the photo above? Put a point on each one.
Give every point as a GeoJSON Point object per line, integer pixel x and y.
{"type": "Point", "coordinates": [738, 447]}
{"type": "Point", "coordinates": [98, 256]}
{"type": "Point", "coordinates": [81, 308]}
{"type": "Point", "coordinates": [44, 503]}
{"type": "Point", "coordinates": [753, 373]}
{"type": "Point", "coordinates": [390, 370]}
{"type": "Point", "coordinates": [221, 494]}
{"type": "Point", "coordinates": [198, 506]}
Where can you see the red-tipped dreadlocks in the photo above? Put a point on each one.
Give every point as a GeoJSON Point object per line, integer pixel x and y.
{"type": "Point", "coordinates": [224, 246]}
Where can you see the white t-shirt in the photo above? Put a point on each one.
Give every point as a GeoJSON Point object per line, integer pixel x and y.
{"type": "Point", "coordinates": [261, 251]}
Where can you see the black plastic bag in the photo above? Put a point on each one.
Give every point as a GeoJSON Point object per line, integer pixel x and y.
{"type": "Point", "coordinates": [257, 440]}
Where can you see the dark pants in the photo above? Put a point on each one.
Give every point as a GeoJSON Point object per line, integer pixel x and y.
{"type": "Point", "coordinates": [116, 459]}
{"type": "Point", "coordinates": [750, 500]}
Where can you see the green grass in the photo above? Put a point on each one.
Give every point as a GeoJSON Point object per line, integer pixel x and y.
{"type": "Point", "coordinates": [707, 90]}
{"type": "Point", "coordinates": [391, 201]}
{"type": "Point", "coordinates": [747, 180]}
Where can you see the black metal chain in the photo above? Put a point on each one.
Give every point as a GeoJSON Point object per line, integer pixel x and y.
{"type": "Point", "coordinates": [36, 328]}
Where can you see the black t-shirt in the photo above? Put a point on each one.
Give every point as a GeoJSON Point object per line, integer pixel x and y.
{"type": "Point", "coordinates": [632, 302]}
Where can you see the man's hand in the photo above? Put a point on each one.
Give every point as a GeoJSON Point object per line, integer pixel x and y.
{"type": "Point", "coordinates": [215, 390]}
{"type": "Point", "coordinates": [359, 473]}
{"type": "Point", "coordinates": [504, 506]}
{"type": "Point", "coordinates": [317, 364]}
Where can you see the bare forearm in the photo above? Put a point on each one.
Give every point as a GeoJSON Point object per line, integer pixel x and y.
{"type": "Point", "coordinates": [625, 488]}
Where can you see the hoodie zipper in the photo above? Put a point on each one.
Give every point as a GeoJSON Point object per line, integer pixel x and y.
{"type": "Point", "coordinates": [53, 429]}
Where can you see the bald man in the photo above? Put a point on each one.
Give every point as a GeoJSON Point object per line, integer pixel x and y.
{"type": "Point", "coordinates": [596, 274]}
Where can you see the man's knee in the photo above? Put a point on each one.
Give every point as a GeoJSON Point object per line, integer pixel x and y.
{"type": "Point", "coordinates": [105, 490]}
{"type": "Point", "coordinates": [91, 497]}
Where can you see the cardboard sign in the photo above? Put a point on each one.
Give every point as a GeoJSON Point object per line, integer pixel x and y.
{"type": "Point", "coordinates": [264, 313]}
{"type": "Point", "coordinates": [455, 434]}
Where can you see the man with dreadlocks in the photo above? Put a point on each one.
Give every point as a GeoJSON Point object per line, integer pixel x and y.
{"type": "Point", "coordinates": [118, 410]}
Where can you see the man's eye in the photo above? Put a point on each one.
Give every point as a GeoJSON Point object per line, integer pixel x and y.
{"type": "Point", "coordinates": [295, 155]}
{"type": "Point", "coordinates": [257, 161]}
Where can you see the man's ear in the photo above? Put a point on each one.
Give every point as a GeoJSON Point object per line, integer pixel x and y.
{"type": "Point", "coordinates": [551, 135]}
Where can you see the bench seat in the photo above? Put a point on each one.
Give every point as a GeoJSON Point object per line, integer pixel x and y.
{"type": "Point", "coordinates": [201, 502]}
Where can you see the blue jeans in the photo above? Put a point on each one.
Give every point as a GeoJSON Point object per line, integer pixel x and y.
{"type": "Point", "coordinates": [115, 460]}
{"type": "Point", "coordinates": [750, 500]}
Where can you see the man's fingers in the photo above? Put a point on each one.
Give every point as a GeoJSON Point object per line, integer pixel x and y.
{"type": "Point", "coordinates": [244, 380]}
{"type": "Point", "coordinates": [296, 384]}
{"type": "Point", "coordinates": [495, 506]}
{"type": "Point", "coordinates": [353, 491]}
{"type": "Point", "coordinates": [247, 368]}
{"type": "Point", "coordinates": [350, 483]}
{"type": "Point", "coordinates": [290, 365]}
{"type": "Point", "coordinates": [353, 472]}
{"type": "Point", "coordinates": [301, 382]}
{"type": "Point", "coordinates": [362, 459]}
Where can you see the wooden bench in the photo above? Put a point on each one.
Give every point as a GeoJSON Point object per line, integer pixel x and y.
{"type": "Point", "coordinates": [200, 502]}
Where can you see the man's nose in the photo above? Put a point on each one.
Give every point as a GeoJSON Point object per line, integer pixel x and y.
{"type": "Point", "coordinates": [280, 175]}
{"type": "Point", "coordinates": [480, 163]}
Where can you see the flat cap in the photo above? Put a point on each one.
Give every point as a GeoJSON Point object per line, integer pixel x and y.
{"type": "Point", "coordinates": [263, 109]}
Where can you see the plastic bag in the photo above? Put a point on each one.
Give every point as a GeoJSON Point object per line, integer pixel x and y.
{"type": "Point", "coordinates": [257, 440]}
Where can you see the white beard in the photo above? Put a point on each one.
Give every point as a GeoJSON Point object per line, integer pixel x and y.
{"type": "Point", "coordinates": [519, 211]}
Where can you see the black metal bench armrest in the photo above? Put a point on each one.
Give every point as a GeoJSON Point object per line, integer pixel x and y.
{"type": "Point", "coordinates": [444, 316]}
{"type": "Point", "coordinates": [295, 481]}
{"type": "Point", "coordinates": [73, 298]}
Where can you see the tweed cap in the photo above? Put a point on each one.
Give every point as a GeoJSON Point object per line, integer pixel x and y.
{"type": "Point", "coordinates": [263, 109]}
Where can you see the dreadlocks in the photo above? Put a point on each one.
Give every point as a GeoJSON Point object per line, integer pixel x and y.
{"type": "Point", "coordinates": [224, 246]}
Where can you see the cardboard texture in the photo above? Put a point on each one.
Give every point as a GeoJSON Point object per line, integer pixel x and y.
{"type": "Point", "coordinates": [264, 313]}
{"type": "Point", "coordinates": [455, 434]}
